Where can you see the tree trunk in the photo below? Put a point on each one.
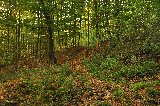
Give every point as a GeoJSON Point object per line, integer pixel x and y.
{"type": "Point", "coordinates": [51, 52]}
{"type": "Point", "coordinates": [37, 43]}
{"type": "Point", "coordinates": [97, 18]}
{"type": "Point", "coordinates": [18, 37]}
{"type": "Point", "coordinates": [88, 27]}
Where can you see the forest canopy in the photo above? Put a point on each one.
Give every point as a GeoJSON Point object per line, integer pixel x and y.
{"type": "Point", "coordinates": [40, 27]}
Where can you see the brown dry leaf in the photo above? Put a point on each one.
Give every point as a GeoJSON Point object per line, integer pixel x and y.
{"type": "Point", "coordinates": [1, 92]}
{"type": "Point", "coordinates": [1, 97]}
{"type": "Point", "coordinates": [107, 96]}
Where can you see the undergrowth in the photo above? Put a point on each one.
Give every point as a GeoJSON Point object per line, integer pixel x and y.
{"type": "Point", "coordinates": [138, 78]}
{"type": "Point", "coordinates": [112, 68]}
{"type": "Point", "coordinates": [42, 86]}
{"type": "Point", "coordinates": [132, 79]}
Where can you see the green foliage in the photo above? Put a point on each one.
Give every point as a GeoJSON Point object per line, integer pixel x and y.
{"type": "Point", "coordinates": [45, 86]}
{"type": "Point", "coordinates": [102, 103]}
{"type": "Point", "coordinates": [118, 93]}
{"type": "Point", "coordinates": [80, 22]}
{"type": "Point", "coordinates": [140, 85]}
{"type": "Point", "coordinates": [65, 70]}
{"type": "Point", "coordinates": [92, 68]}
{"type": "Point", "coordinates": [144, 84]}
{"type": "Point", "coordinates": [110, 63]}
{"type": "Point", "coordinates": [53, 85]}
{"type": "Point", "coordinates": [146, 91]}
{"type": "Point", "coordinates": [7, 60]}
{"type": "Point", "coordinates": [151, 47]}
{"type": "Point", "coordinates": [112, 68]}
{"type": "Point", "coordinates": [4, 76]}
{"type": "Point", "coordinates": [152, 92]}
{"type": "Point", "coordinates": [139, 69]}
{"type": "Point", "coordinates": [99, 64]}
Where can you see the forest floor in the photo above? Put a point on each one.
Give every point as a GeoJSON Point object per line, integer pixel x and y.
{"type": "Point", "coordinates": [99, 91]}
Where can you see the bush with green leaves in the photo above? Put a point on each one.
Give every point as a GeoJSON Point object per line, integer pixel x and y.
{"type": "Point", "coordinates": [6, 59]}
{"type": "Point", "coordinates": [146, 91]}
{"type": "Point", "coordinates": [147, 68]}
{"type": "Point", "coordinates": [140, 85]}
{"type": "Point", "coordinates": [112, 68]}
{"type": "Point", "coordinates": [11, 75]}
{"type": "Point", "coordinates": [118, 93]}
{"type": "Point", "coordinates": [102, 67]}
{"type": "Point", "coordinates": [151, 46]}
{"type": "Point", "coordinates": [102, 103]}
{"type": "Point", "coordinates": [153, 92]}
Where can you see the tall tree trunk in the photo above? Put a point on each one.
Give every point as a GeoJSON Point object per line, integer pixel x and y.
{"type": "Point", "coordinates": [18, 36]}
{"type": "Point", "coordinates": [88, 25]}
{"type": "Point", "coordinates": [118, 8]}
{"type": "Point", "coordinates": [8, 34]}
{"type": "Point", "coordinates": [37, 43]}
{"type": "Point", "coordinates": [74, 31]}
{"type": "Point", "coordinates": [51, 46]}
{"type": "Point", "coordinates": [58, 40]}
{"type": "Point", "coordinates": [79, 37]}
{"type": "Point", "coordinates": [51, 52]}
{"type": "Point", "coordinates": [96, 15]}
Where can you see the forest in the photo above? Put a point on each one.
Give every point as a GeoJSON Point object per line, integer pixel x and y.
{"type": "Point", "coordinates": [79, 52]}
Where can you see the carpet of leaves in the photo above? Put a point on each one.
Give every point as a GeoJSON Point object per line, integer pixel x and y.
{"type": "Point", "coordinates": [99, 92]}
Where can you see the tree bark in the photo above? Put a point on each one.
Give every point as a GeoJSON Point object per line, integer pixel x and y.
{"type": "Point", "coordinates": [97, 18]}
{"type": "Point", "coordinates": [51, 52]}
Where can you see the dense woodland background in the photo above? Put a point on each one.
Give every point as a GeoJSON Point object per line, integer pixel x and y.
{"type": "Point", "coordinates": [79, 52]}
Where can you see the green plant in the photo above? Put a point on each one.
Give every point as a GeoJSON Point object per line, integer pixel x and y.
{"type": "Point", "coordinates": [65, 70]}
{"type": "Point", "coordinates": [4, 76]}
{"type": "Point", "coordinates": [6, 59]}
{"type": "Point", "coordinates": [109, 63]}
{"type": "Point", "coordinates": [140, 85]}
{"type": "Point", "coordinates": [44, 86]}
{"type": "Point", "coordinates": [153, 92]}
{"type": "Point", "coordinates": [118, 93]}
{"type": "Point", "coordinates": [90, 65]}
{"type": "Point", "coordinates": [147, 68]}
{"type": "Point", "coordinates": [102, 103]}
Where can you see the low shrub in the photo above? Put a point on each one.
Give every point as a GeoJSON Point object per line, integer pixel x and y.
{"type": "Point", "coordinates": [118, 93]}
{"type": "Point", "coordinates": [112, 68]}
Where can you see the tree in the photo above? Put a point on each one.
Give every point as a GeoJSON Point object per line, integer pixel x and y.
{"type": "Point", "coordinates": [32, 27]}
{"type": "Point", "coordinates": [47, 15]}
